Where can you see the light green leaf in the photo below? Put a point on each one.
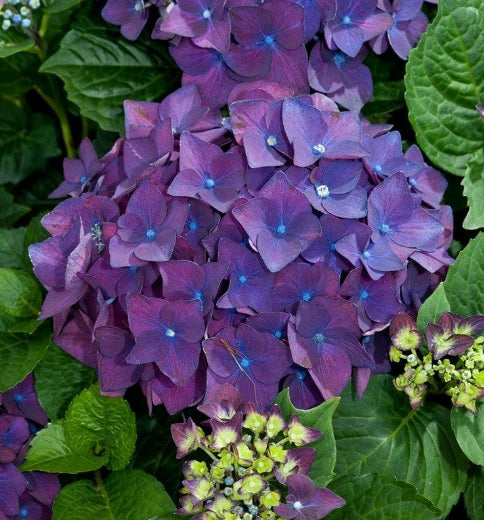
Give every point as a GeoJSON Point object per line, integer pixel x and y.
{"type": "Point", "coordinates": [25, 143]}
{"type": "Point", "coordinates": [104, 424]}
{"type": "Point", "coordinates": [379, 497]}
{"type": "Point", "coordinates": [125, 495]}
{"type": "Point", "coordinates": [13, 41]}
{"type": "Point", "coordinates": [58, 379]}
{"type": "Point", "coordinates": [21, 296]}
{"type": "Point", "coordinates": [11, 250]}
{"type": "Point", "coordinates": [464, 284]}
{"type": "Point", "coordinates": [381, 434]}
{"type": "Point", "coordinates": [469, 431]}
{"type": "Point", "coordinates": [101, 69]}
{"type": "Point", "coordinates": [320, 418]}
{"type": "Point", "coordinates": [20, 353]}
{"type": "Point", "coordinates": [49, 451]}
{"type": "Point", "coordinates": [445, 81]}
{"type": "Point", "coordinates": [57, 6]}
{"type": "Point", "coordinates": [11, 211]}
{"type": "Point", "coordinates": [432, 308]}
{"type": "Point", "coordinates": [473, 183]}
{"type": "Point", "coordinates": [473, 495]}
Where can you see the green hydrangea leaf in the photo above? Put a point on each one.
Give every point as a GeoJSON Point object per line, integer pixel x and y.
{"type": "Point", "coordinates": [473, 183]}
{"type": "Point", "coordinates": [11, 211]}
{"type": "Point", "coordinates": [25, 143]}
{"type": "Point", "coordinates": [57, 6]}
{"type": "Point", "coordinates": [432, 308]}
{"type": "Point", "coordinates": [16, 73]}
{"type": "Point", "coordinates": [464, 283]}
{"type": "Point", "coordinates": [124, 495]}
{"type": "Point", "coordinates": [381, 434]}
{"type": "Point", "coordinates": [21, 296]}
{"type": "Point", "coordinates": [103, 424]}
{"type": "Point", "coordinates": [388, 96]}
{"type": "Point", "coordinates": [49, 451]}
{"type": "Point", "coordinates": [380, 497]}
{"type": "Point", "coordinates": [130, 71]}
{"type": "Point", "coordinates": [20, 353]}
{"type": "Point", "coordinates": [13, 41]}
{"type": "Point", "coordinates": [11, 250]}
{"type": "Point", "coordinates": [58, 379]}
{"type": "Point", "coordinates": [473, 495]}
{"type": "Point", "coordinates": [445, 81]}
{"type": "Point", "coordinates": [320, 418]}
{"type": "Point", "coordinates": [469, 431]}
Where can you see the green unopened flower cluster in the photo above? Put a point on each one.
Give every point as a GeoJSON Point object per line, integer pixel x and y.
{"type": "Point", "coordinates": [249, 459]}
{"type": "Point", "coordinates": [18, 13]}
{"type": "Point", "coordinates": [451, 362]}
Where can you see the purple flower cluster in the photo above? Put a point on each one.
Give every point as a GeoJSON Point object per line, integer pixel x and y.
{"type": "Point", "coordinates": [254, 250]}
{"type": "Point", "coordinates": [28, 495]}
{"type": "Point", "coordinates": [228, 46]}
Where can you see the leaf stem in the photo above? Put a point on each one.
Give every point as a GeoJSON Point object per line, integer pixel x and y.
{"type": "Point", "coordinates": [102, 489]}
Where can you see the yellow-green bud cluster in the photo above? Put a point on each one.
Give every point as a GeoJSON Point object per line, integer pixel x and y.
{"type": "Point", "coordinates": [460, 376]}
{"type": "Point", "coordinates": [18, 13]}
{"type": "Point", "coordinates": [248, 459]}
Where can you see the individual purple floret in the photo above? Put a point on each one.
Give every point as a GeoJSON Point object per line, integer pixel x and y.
{"type": "Point", "coordinates": [131, 15]}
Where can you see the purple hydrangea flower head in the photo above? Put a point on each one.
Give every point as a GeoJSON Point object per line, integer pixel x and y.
{"type": "Point", "coordinates": [12, 485]}
{"type": "Point", "coordinates": [315, 135]}
{"type": "Point", "coordinates": [305, 501]}
{"type": "Point", "coordinates": [131, 15]}
{"type": "Point", "coordinates": [303, 391]}
{"type": "Point", "coordinates": [355, 22]}
{"type": "Point", "coordinates": [323, 339]}
{"type": "Point", "coordinates": [343, 78]}
{"type": "Point", "coordinates": [167, 333]}
{"type": "Point", "coordinates": [14, 433]}
{"type": "Point", "coordinates": [279, 222]}
{"type": "Point", "coordinates": [274, 323]}
{"type": "Point", "coordinates": [22, 400]}
{"type": "Point", "coordinates": [251, 361]}
{"type": "Point", "coordinates": [316, 12]}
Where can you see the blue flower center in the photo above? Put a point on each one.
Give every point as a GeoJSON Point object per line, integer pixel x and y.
{"type": "Point", "coordinates": [306, 296]}
{"type": "Point", "coordinates": [364, 294]}
{"type": "Point", "coordinates": [269, 40]}
{"type": "Point", "coordinates": [377, 168]}
{"type": "Point", "coordinates": [281, 229]}
{"type": "Point", "coordinates": [253, 509]}
{"type": "Point", "coordinates": [192, 226]}
{"type": "Point", "coordinates": [209, 183]}
{"type": "Point", "coordinates": [333, 247]}
{"type": "Point", "coordinates": [413, 182]}
{"type": "Point", "coordinates": [139, 6]}
{"type": "Point", "coordinates": [385, 228]}
{"type": "Point", "coordinates": [150, 234]}
{"type": "Point", "coordinates": [318, 149]}
{"type": "Point", "coordinates": [346, 20]}
{"type": "Point", "coordinates": [278, 334]}
{"type": "Point", "coordinates": [170, 333]}
{"type": "Point", "coordinates": [133, 268]}
{"type": "Point", "coordinates": [19, 398]}
{"type": "Point", "coordinates": [23, 512]}
{"type": "Point", "coordinates": [228, 481]}
{"type": "Point", "coordinates": [366, 254]}
{"type": "Point", "coordinates": [339, 58]}
{"type": "Point", "coordinates": [244, 363]}
{"type": "Point", "coordinates": [198, 296]}
{"type": "Point", "coordinates": [319, 338]}
{"type": "Point", "coordinates": [207, 14]}
{"type": "Point", "coordinates": [301, 374]}
{"type": "Point", "coordinates": [271, 140]}
{"type": "Point", "coordinates": [242, 278]}
{"type": "Point", "coordinates": [297, 505]}
{"type": "Point", "coordinates": [83, 179]}
{"type": "Point", "coordinates": [322, 191]}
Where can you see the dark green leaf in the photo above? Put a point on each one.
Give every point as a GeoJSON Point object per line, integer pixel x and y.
{"type": "Point", "coordinates": [432, 308]}
{"type": "Point", "coordinates": [11, 251]}
{"type": "Point", "coordinates": [464, 284]}
{"type": "Point", "coordinates": [58, 379]}
{"type": "Point", "coordinates": [469, 431]}
{"type": "Point", "coordinates": [25, 145]}
{"type": "Point", "coordinates": [16, 73]}
{"type": "Point", "coordinates": [21, 296]}
{"type": "Point", "coordinates": [387, 97]}
{"type": "Point", "coordinates": [381, 434]}
{"type": "Point", "coordinates": [10, 212]}
{"type": "Point", "coordinates": [125, 495]}
{"type": "Point", "coordinates": [13, 41]}
{"type": "Point", "coordinates": [56, 6]}
{"type": "Point", "coordinates": [473, 495]}
{"type": "Point", "coordinates": [33, 234]}
{"type": "Point", "coordinates": [104, 424]}
{"type": "Point", "coordinates": [445, 81]}
{"type": "Point", "coordinates": [379, 497]}
{"type": "Point", "coordinates": [101, 69]}
{"type": "Point", "coordinates": [49, 451]}
{"type": "Point", "coordinates": [320, 418]}
{"type": "Point", "coordinates": [20, 353]}
{"type": "Point", "coordinates": [473, 183]}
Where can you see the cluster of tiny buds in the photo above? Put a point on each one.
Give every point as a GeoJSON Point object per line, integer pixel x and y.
{"type": "Point", "coordinates": [451, 362]}
{"type": "Point", "coordinates": [249, 459]}
{"type": "Point", "coordinates": [18, 13]}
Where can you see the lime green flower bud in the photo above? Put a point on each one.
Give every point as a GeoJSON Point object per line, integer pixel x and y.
{"type": "Point", "coordinates": [263, 465]}
{"type": "Point", "coordinates": [270, 498]}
